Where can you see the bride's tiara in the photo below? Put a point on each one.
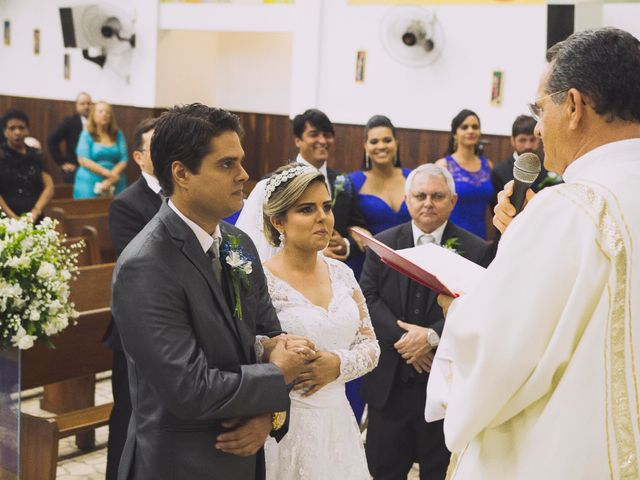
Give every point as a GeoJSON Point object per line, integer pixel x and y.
{"type": "Point", "coordinates": [276, 180]}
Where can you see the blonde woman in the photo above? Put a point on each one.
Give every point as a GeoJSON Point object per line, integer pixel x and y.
{"type": "Point", "coordinates": [102, 155]}
{"type": "Point", "coordinates": [319, 298]}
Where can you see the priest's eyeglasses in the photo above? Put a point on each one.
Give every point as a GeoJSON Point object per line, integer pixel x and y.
{"type": "Point", "coordinates": [536, 110]}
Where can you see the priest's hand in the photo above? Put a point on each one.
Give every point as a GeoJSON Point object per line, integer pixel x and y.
{"type": "Point", "coordinates": [323, 369]}
{"type": "Point", "coordinates": [504, 211]}
{"type": "Point", "coordinates": [445, 302]}
{"type": "Point", "coordinates": [247, 436]}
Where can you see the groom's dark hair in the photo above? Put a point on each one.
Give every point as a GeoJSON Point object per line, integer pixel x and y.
{"type": "Point", "coordinates": [184, 134]}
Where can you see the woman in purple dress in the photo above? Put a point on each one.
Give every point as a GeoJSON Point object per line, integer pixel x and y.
{"type": "Point", "coordinates": [380, 186]}
{"type": "Point", "coordinates": [471, 173]}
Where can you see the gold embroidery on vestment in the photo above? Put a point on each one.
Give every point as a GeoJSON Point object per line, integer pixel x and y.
{"type": "Point", "coordinates": [612, 242]}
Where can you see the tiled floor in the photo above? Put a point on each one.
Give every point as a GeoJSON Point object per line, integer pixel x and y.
{"type": "Point", "coordinates": [76, 465]}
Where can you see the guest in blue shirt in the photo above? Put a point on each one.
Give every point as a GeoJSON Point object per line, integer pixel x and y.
{"type": "Point", "coordinates": [471, 173]}
{"type": "Point", "coordinates": [102, 155]}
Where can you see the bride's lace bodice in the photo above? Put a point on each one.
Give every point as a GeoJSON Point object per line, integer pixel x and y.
{"type": "Point", "coordinates": [344, 328]}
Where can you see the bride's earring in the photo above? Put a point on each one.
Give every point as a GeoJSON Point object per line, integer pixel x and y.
{"type": "Point", "coordinates": [281, 238]}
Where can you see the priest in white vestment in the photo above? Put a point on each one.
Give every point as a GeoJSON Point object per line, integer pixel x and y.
{"type": "Point", "coordinates": [538, 367]}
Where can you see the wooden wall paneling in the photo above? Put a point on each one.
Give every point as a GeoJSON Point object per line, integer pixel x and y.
{"type": "Point", "coordinates": [46, 114]}
{"type": "Point", "coordinates": [268, 140]}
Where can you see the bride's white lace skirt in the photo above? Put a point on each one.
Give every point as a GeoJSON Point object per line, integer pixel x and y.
{"type": "Point", "coordinates": [323, 442]}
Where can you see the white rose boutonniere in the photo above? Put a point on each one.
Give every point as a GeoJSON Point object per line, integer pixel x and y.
{"type": "Point", "coordinates": [341, 184]}
{"type": "Point", "coordinates": [241, 267]}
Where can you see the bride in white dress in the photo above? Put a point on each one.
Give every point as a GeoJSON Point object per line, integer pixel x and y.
{"type": "Point", "coordinates": [319, 298]}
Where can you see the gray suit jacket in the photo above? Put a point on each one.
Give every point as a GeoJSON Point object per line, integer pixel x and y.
{"type": "Point", "coordinates": [191, 363]}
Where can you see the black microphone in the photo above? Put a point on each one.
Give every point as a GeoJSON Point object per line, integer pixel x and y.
{"type": "Point", "coordinates": [525, 171]}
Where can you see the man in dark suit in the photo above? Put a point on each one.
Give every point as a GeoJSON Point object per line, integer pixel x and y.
{"type": "Point", "coordinates": [314, 137]}
{"type": "Point", "coordinates": [188, 299]}
{"type": "Point", "coordinates": [408, 322]}
{"type": "Point", "coordinates": [129, 212]}
{"type": "Point", "coordinates": [523, 140]}
{"type": "Point", "coordinates": [68, 132]}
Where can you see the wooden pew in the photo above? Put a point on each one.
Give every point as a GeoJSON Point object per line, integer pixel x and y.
{"type": "Point", "coordinates": [79, 353]}
{"type": "Point", "coordinates": [62, 190]}
{"type": "Point", "coordinates": [91, 290]}
{"type": "Point", "coordinates": [90, 253]}
{"type": "Point", "coordinates": [85, 206]}
{"type": "Point", "coordinates": [74, 225]}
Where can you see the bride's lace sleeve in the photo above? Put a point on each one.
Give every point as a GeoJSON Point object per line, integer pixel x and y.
{"type": "Point", "coordinates": [362, 355]}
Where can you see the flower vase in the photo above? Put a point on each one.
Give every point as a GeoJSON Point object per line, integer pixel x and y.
{"type": "Point", "coordinates": [9, 413]}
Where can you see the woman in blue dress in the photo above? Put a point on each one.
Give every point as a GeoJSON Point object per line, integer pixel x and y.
{"type": "Point", "coordinates": [471, 173]}
{"type": "Point", "coordinates": [381, 182]}
{"type": "Point", "coordinates": [381, 190]}
{"type": "Point", "coordinates": [102, 155]}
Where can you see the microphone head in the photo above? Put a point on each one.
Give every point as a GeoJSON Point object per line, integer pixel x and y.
{"type": "Point", "coordinates": [526, 168]}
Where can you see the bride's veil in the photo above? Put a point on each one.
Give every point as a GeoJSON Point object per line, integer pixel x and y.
{"type": "Point", "coordinates": [250, 221]}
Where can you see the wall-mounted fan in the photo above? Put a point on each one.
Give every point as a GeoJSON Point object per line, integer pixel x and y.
{"type": "Point", "coordinates": [97, 27]}
{"type": "Point", "coordinates": [413, 36]}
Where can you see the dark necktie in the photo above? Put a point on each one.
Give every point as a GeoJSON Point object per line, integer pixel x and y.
{"type": "Point", "coordinates": [214, 256]}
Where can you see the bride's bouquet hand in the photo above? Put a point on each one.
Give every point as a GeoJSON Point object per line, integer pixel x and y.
{"type": "Point", "coordinates": [323, 369]}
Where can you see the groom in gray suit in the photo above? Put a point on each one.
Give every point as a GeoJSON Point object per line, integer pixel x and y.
{"type": "Point", "coordinates": [189, 297]}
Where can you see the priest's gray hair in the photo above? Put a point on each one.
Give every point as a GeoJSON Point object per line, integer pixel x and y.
{"type": "Point", "coordinates": [284, 196]}
{"type": "Point", "coordinates": [432, 170]}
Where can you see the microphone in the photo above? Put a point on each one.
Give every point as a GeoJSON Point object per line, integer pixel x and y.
{"type": "Point", "coordinates": [525, 170]}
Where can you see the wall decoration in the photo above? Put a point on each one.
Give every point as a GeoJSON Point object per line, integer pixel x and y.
{"type": "Point", "coordinates": [67, 66]}
{"type": "Point", "coordinates": [7, 33]}
{"type": "Point", "coordinates": [36, 42]}
{"type": "Point", "coordinates": [361, 61]}
{"type": "Point", "coordinates": [496, 88]}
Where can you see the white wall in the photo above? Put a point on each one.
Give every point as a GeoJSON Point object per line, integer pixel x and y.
{"type": "Point", "coordinates": [186, 68]}
{"type": "Point", "coordinates": [29, 75]}
{"type": "Point", "coordinates": [253, 72]}
{"type": "Point", "coordinates": [241, 71]}
{"type": "Point", "coordinates": [479, 39]}
{"type": "Point", "coordinates": [623, 15]}
{"type": "Point", "coordinates": [304, 56]}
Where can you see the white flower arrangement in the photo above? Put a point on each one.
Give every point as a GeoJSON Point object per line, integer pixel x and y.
{"type": "Point", "coordinates": [35, 270]}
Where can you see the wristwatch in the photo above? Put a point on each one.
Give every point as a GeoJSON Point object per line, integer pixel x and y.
{"type": "Point", "coordinates": [433, 338]}
{"type": "Point", "coordinates": [277, 420]}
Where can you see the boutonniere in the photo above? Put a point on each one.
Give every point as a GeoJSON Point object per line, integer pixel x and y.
{"type": "Point", "coordinates": [550, 180]}
{"type": "Point", "coordinates": [240, 268]}
{"type": "Point", "coordinates": [339, 186]}
{"type": "Point", "coordinates": [452, 244]}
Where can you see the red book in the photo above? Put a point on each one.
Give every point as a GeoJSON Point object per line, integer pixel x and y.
{"type": "Point", "coordinates": [433, 266]}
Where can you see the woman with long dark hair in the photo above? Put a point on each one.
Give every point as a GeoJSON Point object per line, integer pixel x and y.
{"type": "Point", "coordinates": [380, 182]}
{"type": "Point", "coordinates": [471, 173]}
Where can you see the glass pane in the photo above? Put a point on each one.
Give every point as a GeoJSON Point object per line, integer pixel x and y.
{"type": "Point", "coordinates": [9, 414]}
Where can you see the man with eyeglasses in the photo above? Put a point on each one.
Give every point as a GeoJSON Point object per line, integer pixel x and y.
{"type": "Point", "coordinates": [539, 365]}
{"type": "Point", "coordinates": [408, 324]}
